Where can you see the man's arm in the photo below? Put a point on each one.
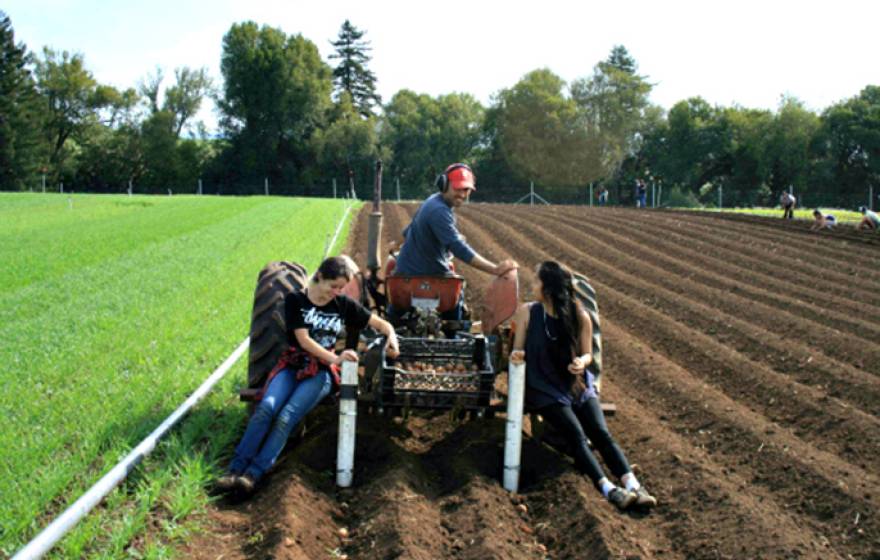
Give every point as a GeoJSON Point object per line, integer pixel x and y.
{"type": "Point", "coordinates": [480, 263]}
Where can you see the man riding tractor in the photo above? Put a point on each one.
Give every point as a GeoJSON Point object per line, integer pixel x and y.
{"type": "Point", "coordinates": [432, 238]}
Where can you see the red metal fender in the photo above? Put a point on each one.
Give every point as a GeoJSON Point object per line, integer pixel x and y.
{"type": "Point", "coordinates": [501, 300]}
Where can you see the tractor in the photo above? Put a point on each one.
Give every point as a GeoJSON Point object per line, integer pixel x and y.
{"type": "Point", "coordinates": [444, 363]}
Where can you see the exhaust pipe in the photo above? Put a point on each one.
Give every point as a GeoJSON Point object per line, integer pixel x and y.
{"type": "Point", "coordinates": [374, 234]}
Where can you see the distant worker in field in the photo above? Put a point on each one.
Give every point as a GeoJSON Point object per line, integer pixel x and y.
{"type": "Point", "coordinates": [870, 219]}
{"type": "Point", "coordinates": [602, 195]}
{"type": "Point", "coordinates": [641, 194]}
{"type": "Point", "coordinates": [554, 338]}
{"type": "Point", "coordinates": [822, 221]}
{"type": "Point", "coordinates": [306, 373]}
{"type": "Point", "coordinates": [432, 238]}
{"type": "Point", "coordinates": [788, 202]}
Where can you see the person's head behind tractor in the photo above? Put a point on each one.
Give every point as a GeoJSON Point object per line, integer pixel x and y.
{"type": "Point", "coordinates": [817, 213]}
{"type": "Point", "coordinates": [862, 209]}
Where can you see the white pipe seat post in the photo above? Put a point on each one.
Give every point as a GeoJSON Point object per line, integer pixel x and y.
{"type": "Point", "coordinates": [516, 385]}
{"type": "Point", "coordinates": [347, 424]}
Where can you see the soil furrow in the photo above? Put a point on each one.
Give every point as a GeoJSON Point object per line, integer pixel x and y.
{"type": "Point", "coordinates": [843, 233]}
{"type": "Point", "coordinates": [691, 521]}
{"type": "Point", "coordinates": [844, 432]}
{"type": "Point", "coordinates": [849, 282]}
{"type": "Point", "coordinates": [824, 480]}
{"type": "Point", "coordinates": [793, 353]}
{"type": "Point", "coordinates": [755, 455]}
{"type": "Point", "coordinates": [842, 309]}
{"type": "Point", "coordinates": [791, 248]}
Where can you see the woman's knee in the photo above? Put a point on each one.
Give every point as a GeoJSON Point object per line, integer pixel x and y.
{"type": "Point", "coordinates": [264, 411]}
{"type": "Point", "coordinates": [602, 438]}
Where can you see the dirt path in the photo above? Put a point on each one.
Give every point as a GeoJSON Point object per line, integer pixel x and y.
{"type": "Point", "coordinates": [751, 412]}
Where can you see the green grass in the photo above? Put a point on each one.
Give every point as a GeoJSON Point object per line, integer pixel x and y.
{"type": "Point", "coordinates": [112, 310]}
{"type": "Point", "coordinates": [843, 216]}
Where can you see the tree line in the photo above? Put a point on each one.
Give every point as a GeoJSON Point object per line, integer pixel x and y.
{"type": "Point", "coordinates": [289, 119]}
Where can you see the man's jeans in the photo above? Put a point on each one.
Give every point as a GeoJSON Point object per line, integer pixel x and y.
{"type": "Point", "coordinates": [286, 402]}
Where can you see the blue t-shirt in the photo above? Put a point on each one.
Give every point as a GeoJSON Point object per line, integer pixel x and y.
{"type": "Point", "coordinates": [430, 239]}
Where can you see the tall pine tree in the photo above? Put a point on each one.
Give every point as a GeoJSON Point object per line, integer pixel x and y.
{"type": "Point", "coordinates": [352, 74]}
{"type": "Point", "coordinates": [21, 149]}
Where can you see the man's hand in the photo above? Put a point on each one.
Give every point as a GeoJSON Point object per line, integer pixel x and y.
{"type": "Point", "coordinates": [346, 356]}
{"type": "Point", "coordinates": [517, 357]}
{"type": "Point", "coordinates": [504, 266]}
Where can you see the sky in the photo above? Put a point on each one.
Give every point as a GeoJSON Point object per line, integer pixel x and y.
{"type": "Point", "coordinates": [748, 53]}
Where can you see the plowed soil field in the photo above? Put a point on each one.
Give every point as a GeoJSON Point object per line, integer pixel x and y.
{"type": "Point", "coordinates": [743, 355]}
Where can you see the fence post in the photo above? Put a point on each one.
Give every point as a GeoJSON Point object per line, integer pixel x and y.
{"type": "Point", "coordinates": [266, 185]}
{"type": "Point", "coordinates": [44, 182]}
{"type": "Point", "coordinates": [334, 188]}
{"type": "Point", "coordinates": [591, 195]}
{"type": "Point", "coordinates": [397, 182]}
{"type": "Point", "coordinates": [200, 187]}
{"type": "Point", "coordinates": [720, 196]}
{"type": "Point", "coordinates": [870, 197]}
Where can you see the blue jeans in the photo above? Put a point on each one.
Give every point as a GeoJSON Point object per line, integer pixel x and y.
{"type": "Point", "coordinates": [286, 402]}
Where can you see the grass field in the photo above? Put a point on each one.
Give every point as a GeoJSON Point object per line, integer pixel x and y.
{"type": "Point", "coordinates": [112, 310]}
{"type": "Point", "coordinates": [843, 216]}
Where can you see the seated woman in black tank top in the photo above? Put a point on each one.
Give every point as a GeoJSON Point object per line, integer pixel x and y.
{"type": "Point", "coordinates": [554, 338]}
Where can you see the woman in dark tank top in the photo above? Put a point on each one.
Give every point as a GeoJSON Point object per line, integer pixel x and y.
{"type": "Point", "coordinates": [554, 339]}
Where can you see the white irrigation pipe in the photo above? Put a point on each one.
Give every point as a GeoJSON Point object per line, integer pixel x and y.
{"type": "Point", "coordinates": [516, 389]}
{"type": "Point", "coordinates": [48, 537]}
{"type": "Point", "coordinates": [338, 229]}
{"type": "Point", "coordinates": [64, 523]}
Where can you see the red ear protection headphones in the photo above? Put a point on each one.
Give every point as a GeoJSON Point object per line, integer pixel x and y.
{"type": "Point", "coordinates": [442, 182]}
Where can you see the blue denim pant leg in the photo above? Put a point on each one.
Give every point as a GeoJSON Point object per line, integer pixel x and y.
{"type": "Point", "coordinates": [307, 393]}
{"type": "Point", "coordinates": [277, 395]}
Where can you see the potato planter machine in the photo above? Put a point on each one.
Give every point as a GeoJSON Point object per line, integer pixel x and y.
{"type": "Point", "coordinates": [444, 364]}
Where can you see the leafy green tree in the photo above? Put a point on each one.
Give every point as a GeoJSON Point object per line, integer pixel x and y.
{"type": "Point", "coordinates": [22, 149]}
{"type": "Point", "coordinates": [788, 146]}
{"type": "Point", "coordinates": [73, 99]}
{"type": "Point", "coordinates": [349, 144]}
{"type": "Point", "coordinates": [109, 158]}
{"type": "Point", "coordinates": [540, 132]}
{"type": "Point", "coordinates": [426, 134]}
{"type": "Point", "coordinates": [276, 94]}
{"type": "Point", "coordinates": [612, 106]}
{"type": "Point", "coordinates": [352, 75]}
{"type": "Point", "coordinates": [183, 99]}
{"type": "Point", "coordinates": [848, 141]}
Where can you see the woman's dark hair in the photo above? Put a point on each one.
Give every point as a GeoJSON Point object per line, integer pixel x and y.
{"type": "Point", "coordinates": [336, 267]}
{"type": "Point", "coordinates": [816, 212]}
{"type": "Point", "coordinates": [558, 290]}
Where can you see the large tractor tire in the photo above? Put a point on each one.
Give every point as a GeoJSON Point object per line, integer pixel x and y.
{"type": "Point", "coordinates": [268, 329]}
{"type": "Point", "coordinates": [585, 293]}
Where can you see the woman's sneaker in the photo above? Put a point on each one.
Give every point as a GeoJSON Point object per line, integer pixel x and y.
{"type": "Point", "coordinates": [644, 499]}
{"type": "Point", "coordinates": [227, 482]}
{"type": "Point", "coordinates": [621, 498]}
{"type": "Point", "coordinates": [246, 484]}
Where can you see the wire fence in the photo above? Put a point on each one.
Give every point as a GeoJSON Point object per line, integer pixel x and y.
{"type": "Point", "coordinates": [616, 194]}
